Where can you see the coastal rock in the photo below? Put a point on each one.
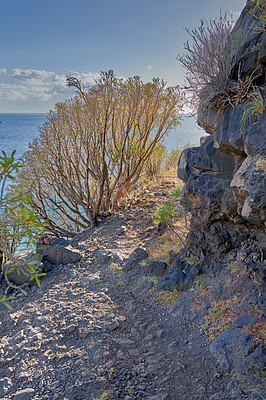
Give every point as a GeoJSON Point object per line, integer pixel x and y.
{"type": "Point", "coordinates": [225, 192]}
{"type": "Point", "coordinates": [138, 255]}
{"type": "Point", "coordinates": [175, 279]}
{"type": "Point", "coordinates": [58, 252]}
{"type": "Point", "coordinates": [225, 177]}
{"type": "Point", "coordinates": [18, 271]}
{"type": "Point", "coordinates": [157, 268]}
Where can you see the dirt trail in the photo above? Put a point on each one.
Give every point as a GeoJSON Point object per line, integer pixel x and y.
{"type": "Point", "coordinates": [94, 331]}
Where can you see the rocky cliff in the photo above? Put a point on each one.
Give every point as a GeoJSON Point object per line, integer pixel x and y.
{"type": "Point", "coordinates": [225, 178]}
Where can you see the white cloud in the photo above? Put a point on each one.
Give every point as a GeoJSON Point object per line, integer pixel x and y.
{"type": "Point", "coordinates": [149, 66]}
{"type": "Point", "coordinates": [31, 75]}
{"type": "Point", "coordinates": [25, 93]}
{"type": "Point", "coordinates": [13, 92]}
{"type": "Point", "coordinates": [41, 85]}
{"type": "Point", "coordinates": [59, 83]}
{"type": "Point", "coordinates": [87, 78]}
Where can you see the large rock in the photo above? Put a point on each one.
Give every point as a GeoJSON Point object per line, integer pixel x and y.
{"type": "Point", "coordinates": [135, 257]}
{"type": "Point", "coordinates": [19, 271]}
{"type": "Point", "coordinates": [175, 279]}
{"type": "Point", "coordinates": [249, 186]}
{"type": "Point", "coordinates": [234, 348]}
{"type": "Point", "coordinates": [58, 252]}
{"type": "Point", "coordinates": [225, 177]}
{"type": "Point", "coordinates": [225, 191]}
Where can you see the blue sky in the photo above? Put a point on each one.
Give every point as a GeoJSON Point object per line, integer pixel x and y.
{"type": "Point", "coordinates": [43, 41]}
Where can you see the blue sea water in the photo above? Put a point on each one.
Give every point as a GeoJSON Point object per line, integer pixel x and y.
{"type": "Point", "coordinates": [18, 130]}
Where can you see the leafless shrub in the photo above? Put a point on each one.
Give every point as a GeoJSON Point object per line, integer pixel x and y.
{"type": "Point", "coordinates": [210, 57]}
{"type": "Point", "coordinates": [94, 147]}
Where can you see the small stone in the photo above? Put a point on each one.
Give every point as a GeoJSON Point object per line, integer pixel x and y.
{"type": "Point", "coordinates": [24, 394]}
{"type": "Point", "coordinates": [127, 343]}
{"type": "Point", "coordinates": [120, 354]}
{"type": "Point", "coordinates": [112, 326]}
{"type": "Point", "coordinates": [83, 332]}
{"type": "Point", "coordinates": [160, 333]}
{"type": "Point", "coordinates": [5, 386]}
{"type": "Point", "coordinates": [37, 374]}
{"type": "Point", "coordinates": [134, 353]}
{"type": "Point", "coordinates": [136, 335]}
{"type": "Point", "coordinates": [71, 329]}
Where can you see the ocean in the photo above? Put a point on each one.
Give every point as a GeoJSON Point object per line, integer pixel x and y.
{"type": "Point", "coordinates": [18, 130]}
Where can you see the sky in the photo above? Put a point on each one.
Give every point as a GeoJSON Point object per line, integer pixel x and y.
{"type": "Point", "coordinates": [42, 42]}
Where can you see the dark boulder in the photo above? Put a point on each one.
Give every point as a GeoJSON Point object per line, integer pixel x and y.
{"type": "Point", "coordinates": [175, 279]}
{"type": "Point", "coordinates": [138, 255]}
{"type": "Point", "coordinates": [58, 252]}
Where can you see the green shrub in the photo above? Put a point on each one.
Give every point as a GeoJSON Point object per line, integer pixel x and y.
{"type": "Point", "coordinates": [156, 161]}
{"type": "Point", "coordinates": [258, 10]}
{"type": "Point", "coordinates": [176, 192]}
{"type": "Point", "coordinates": [252, 110]}
{"type": "Point", "coordinates": [167, 213]}
{"type": "Point", "coordinates": [19, 226]}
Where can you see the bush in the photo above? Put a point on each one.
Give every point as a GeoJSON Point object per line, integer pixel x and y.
{"type": "Point", "coordinates": [213, 52]}
{"type": "Point", "coordinates": [156, 161]}
{"type": "Point", "coordinates": [172, 159]}
{"type": "Point", "coordinates": [258, 11]}
{"type": "Point", "coordinates": [167, 213]}
{"type": "Point", "coordinates": [94, 147]}
{"type": "Point", "coordinates": [19, 226]}
{"type": "Point", "coordinates": [252, 110]}
{"type": "Point", "coordinates": [176, 192]}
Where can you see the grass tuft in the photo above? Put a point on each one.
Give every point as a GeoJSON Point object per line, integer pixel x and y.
{"type": "Point", "coordinates": [252, 110]}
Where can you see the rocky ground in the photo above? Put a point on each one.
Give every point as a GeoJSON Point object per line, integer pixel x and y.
{"type": "Point", "coordinates": [100, 328]}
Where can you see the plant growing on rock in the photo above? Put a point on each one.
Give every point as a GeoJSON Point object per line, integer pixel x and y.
{"type": "Point", "coordinates": [210, 57]}
{"type": "Point", "coordinates": [167, 213]}
{"type": "Point", "coordinates": [94, 147]}
{"type": "Point", "coordinates": [219, 317]}
{"type": "Point", "coordinates": [252, 110]}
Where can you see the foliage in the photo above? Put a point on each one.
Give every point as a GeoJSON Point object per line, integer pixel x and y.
{"type": "Point", "coordinates": [165, 297]}
{"type": "Point", "coordinates": [203, 287]}
{"type": "Point", "coordinates": [219, 317]}
{"type": "Point", "coordinates": [167, 213]}
{"type": "Point", "coordinates": [176, 192]}
{"type": "Point", "coordinates": [172, 159]}
{"type": "Point", "coordinates": [252, 110]}
{"type": "Point", "coordinates": [210, 57]}
{"type": "Point", "coordinates": [155, 163]}
{"type": "Point", "coordinates": [258, 329]}
{"type": "Point", "coordinates": [5, 301]}
{"type": "Point", "coordinates": [261, 163]}
{"type": "Point", "coordinates": [19, 226]}
{"type": "Point", "coordinates": [258, 11]}
{"type": "Point", "coordinates": [94, 147]}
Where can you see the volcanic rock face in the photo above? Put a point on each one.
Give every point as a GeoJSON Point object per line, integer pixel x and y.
{"type": "Point", "coordinates": [225, 177]}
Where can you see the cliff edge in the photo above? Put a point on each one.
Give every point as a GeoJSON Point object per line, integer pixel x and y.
{"type": "Point", "coordinates": [225, 178]}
